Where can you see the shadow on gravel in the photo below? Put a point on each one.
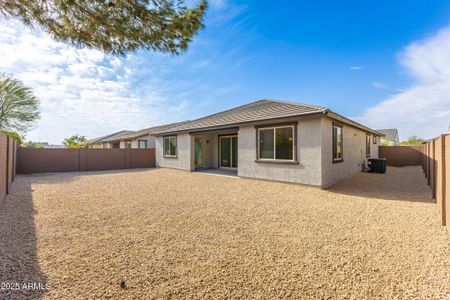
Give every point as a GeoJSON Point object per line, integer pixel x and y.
{"type": "Point", "coordinates": [20, 275]}
{"type": "Point", "coordinates": [402, 184]}
{"type": "Point", "coordinates": [59, 177]}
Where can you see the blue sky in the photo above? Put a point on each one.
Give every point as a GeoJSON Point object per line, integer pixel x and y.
{"type": "Point", "coordinates": [384, 63]}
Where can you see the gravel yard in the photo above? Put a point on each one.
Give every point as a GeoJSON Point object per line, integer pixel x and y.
{"type": "Point", "coordinates": [172, 234]}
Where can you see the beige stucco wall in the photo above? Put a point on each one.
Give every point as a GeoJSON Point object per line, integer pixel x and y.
{"type": "Point", "coordinates": [96, 146]}
{"type": "Point", "coordinates": [151, 142]}
{"type": "Point", "coordinates": [354, 152]}
{"type": "Point", "coordinates": [308, 154]}
{"type": "Point", "coordinates": [185, 153]}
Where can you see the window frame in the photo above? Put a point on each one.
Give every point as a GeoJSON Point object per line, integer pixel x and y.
{"type": "Point", "coordinates": [334, 143]}
{"type": "Point", "coordinates": [374, 139]}
{"type": "Point", "coordinates": [128, 142]}
{"type": "Point", "coordinates": [139, 144]}
{"type": "Point", "coordinates": [274, 159]}
{"type": "Point", "coordinates": [368, 144]}
{"type": "Point", "coordinates": [176, 146]}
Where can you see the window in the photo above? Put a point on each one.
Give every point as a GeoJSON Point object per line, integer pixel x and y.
{"type": "Point", "coordinates": [116, 145]}
{"type": "Point", "coordinates": [276, 143]}
{"type": "Point", "coordinates": [142, 144]}
{"type": "Point", "coordinates": [338, 144]}
{"type": "Point", "coordinates": [367, 145]}
{"type": "Point", "coordinates": [266, 142]}
{"type": "Point", "coordinates": [374, 139]}
{"type": "Point", "coordinates": [127, 144]}
{"type": "Point", "coordinates": [170, 146]}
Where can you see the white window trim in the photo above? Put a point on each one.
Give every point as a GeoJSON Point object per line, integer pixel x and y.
{"type": "Point", "coordinates": [275, 143]}
{"type": "Point", "coordinates": [164, 145]}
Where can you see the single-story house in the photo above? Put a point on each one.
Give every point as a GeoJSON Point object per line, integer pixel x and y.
{"type": "Point", "coordinates": [273, 140]}
{"type": "Point", "coordinates": [106, 141]}
{"type": "Point", "coordinates": [141, 139]}
{"type": "Point", "coordinates": [390, 136]}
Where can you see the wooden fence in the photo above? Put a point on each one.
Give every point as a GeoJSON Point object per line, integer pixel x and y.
{"type": "Point", "coordinates": [8, 150]}
{"type": "Point", "coordinates": [436, 165]}
{"type": "Point", "coordinates": [401, 156]}
{"type": "Point", "coordinates": [72, 160]}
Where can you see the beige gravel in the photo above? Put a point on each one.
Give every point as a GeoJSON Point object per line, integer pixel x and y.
{"type": "Point", "coordinates": [172, 234]}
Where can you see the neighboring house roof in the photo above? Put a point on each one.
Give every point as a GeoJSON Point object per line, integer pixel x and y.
{"type": "Point", "coordinates": [143, 132]}
{"type": "Point", "coordinates": [47, 145]}
{"type": "Point", "coordinates": [129, 135]}
{"type": "Point", "coordinates": [106, 138]}
{"type": "Point", "coordinates": [259, 111]}
{"type": "Point", "coordinates": [390, 134]}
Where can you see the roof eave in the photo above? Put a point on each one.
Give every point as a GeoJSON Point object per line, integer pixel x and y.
{"type": "Point", "coordinates": [350, 122]}
{"type": "Point", "coordinates": [126, 138]}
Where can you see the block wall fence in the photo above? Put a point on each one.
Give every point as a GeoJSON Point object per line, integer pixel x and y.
{"type": "Point", "coordinates": [435, 161]}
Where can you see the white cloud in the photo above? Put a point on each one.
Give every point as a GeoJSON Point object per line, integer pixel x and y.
{"type": "Point", "coordinates": [424, 108]}
{"type": "Point", "coordinates": [379, 85]}
{"type": "Point", "coordinates": [81, 90]}
{"type": "Point", "coordinates": [356, 68]}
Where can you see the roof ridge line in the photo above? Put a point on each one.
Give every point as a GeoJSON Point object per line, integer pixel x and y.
{"type": "Point", "coordinates": [296, 103]}
{"type": "Point", "coordinates": [227, 110]}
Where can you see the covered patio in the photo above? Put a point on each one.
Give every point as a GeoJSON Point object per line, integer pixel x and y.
{"type": "Point", "coordinates": [219, 172]}
{"type": "Point", "coordinates": [216, 150]}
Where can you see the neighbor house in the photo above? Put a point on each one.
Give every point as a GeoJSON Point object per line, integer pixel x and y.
{"type": "Point", "coordinates": [390, 136]}
{"type": "Point", "coordinates": [141, 139]}
{"type": "Point", "coordinates": [108, 141]}
{"type": "Point", "coordinates": [272, 140]}
{"type": "Point", "coordinates": [47, 145]}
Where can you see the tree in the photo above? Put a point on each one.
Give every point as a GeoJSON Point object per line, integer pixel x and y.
{"type": "Point", "coordinates": [31, 144]}
{"type": "Point", "coordinates": [19, 108]}
{"type": "Point", "coordinates": [115, 26]}
{"type": "Point", "coordinates": [387, 143]}
{"type": "Point", "coordinates": [412, 141]}
{"type": "Point", "coordinates": [14, 135]}
{"type": "Point", "coordinates": [76, 141]}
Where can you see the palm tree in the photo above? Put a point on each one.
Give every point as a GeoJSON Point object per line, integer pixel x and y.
{"type": "Point", "coordinates": [19, 108]}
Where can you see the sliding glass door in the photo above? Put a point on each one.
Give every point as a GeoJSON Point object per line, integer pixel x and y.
{"type": "Point", "coordinates": [228, 151]}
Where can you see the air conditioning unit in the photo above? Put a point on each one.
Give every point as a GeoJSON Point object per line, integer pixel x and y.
{"type": "Point", "coordinates": [377, 165]}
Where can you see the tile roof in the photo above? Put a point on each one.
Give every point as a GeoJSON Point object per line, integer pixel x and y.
{"type": "Point", "coordinates": [150, 130]}
{"type": "Point", "coordinates": [260, 110]}
{"type": "Point", "coordinates": [255, 111]}
{"type": "Point", "coordinates": [112, 135]}
{"type": "Point", "coordinates": [128, 134]}
{"type": "Point", "coordinates": [390, 134]}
